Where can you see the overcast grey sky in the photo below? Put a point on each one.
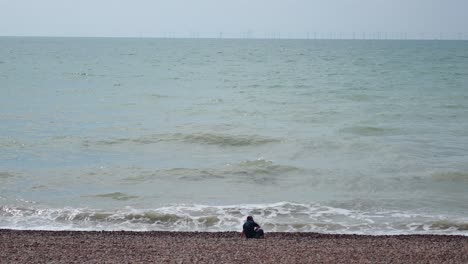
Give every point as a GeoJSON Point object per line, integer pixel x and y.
{"type": "Point", "coordinates": [262, 18]}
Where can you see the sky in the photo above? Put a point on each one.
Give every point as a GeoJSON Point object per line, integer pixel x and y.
{"type": "Point", "coordinates": [236, 18]}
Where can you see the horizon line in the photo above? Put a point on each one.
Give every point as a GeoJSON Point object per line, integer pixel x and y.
{"type": "Point", "coordinates": [235, 38]}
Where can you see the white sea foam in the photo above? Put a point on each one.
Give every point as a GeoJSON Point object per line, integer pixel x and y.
{"type": "Point", "coordinates": [276, 217]}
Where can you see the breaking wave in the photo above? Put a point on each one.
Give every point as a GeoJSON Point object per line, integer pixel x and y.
{"type": "Point", "coordinates": [276, 217]}
{"type": "Point", "coordinates": [449, 225]}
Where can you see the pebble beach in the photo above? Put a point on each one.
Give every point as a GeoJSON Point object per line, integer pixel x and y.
{"type": "Point", "coordinates": [226, 247]}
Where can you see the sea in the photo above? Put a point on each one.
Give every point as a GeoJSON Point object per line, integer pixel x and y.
{"type": "Point", "coordinates": [327, 136]}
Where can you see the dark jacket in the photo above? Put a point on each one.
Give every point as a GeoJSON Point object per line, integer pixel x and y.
{"type": "Point", "coordinates": [249, 228]}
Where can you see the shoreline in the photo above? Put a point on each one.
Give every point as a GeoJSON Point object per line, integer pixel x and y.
{"type": "Point", "coordinates": [34, 246]}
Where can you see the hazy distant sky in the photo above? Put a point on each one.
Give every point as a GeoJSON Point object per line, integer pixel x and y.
{"type": "Point", "coordinates": [182, 18]}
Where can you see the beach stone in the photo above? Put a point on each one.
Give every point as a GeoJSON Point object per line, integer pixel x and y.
{"type": "Point", "coordinates": [226, 247]}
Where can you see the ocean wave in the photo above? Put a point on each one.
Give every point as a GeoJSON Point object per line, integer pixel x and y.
{"type": "Point", "coordinates": [371, 130]}
{"type": "Point", "coordinates": [83, 74]}
{"type": "Point", "coordinates": [449, 225]}
{"type": "Point", "coordinates": [9, 142]}
{"type": "Point", "coordinates": [454, 106]}
{"type": "Point", "coordinates": [451, 176]}
{"type": "Point", "coordinates": [157, 96]}
{"type": "Point", "coordinates": [224, 140]}
{"type": "Point", "coordinates": [276, 86]}
{"type": "Point", "coordinates": [256, 171]}
{"type": "Point", "coordinates": [260, 167]}
{"type": "Point", "coordinates": [275, 217]}
{"type": "Point", "coordinates": [6, 174]}
{"type": "Point", "coordinates": [116, 196]}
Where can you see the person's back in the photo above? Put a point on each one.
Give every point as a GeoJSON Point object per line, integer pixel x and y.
{"type": "Point", "coordinates": [250, 229]}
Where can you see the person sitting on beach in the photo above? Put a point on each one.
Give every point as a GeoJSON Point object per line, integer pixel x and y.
{"type": "Point", "coordinates": [250, 229]}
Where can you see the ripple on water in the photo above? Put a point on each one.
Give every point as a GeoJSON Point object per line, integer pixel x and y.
{"type": "Point", "coordinates": [116, 196]}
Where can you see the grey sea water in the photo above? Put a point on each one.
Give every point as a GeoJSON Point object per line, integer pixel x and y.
{"type": "Point", "coordinates": [327, 136]}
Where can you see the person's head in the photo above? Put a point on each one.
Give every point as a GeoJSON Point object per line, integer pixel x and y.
{"type": "Point", "coordinates": [249, 218]}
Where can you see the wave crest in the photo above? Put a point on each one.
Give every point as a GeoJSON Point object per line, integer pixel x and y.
{"type": "Point", "coordinates": [116, 196]}
{"type": "Point", "coordinates": [451, 176]}
{"type": "Point", "coordinates": [257, 171]}
{"type": "Point", "coordinates": [371, 130]}
{"type": "Point", "coordinates": [6, 174]}
{"type": "Point", "coordinates": [276, 217]}
{"type": "Point", "coordinates": [449, 225]}
{"type": "Point", "coordinates": [224, 140]}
